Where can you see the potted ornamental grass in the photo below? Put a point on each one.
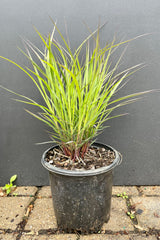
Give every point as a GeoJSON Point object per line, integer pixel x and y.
{"type": "Point", "coordinates": [79, 91]}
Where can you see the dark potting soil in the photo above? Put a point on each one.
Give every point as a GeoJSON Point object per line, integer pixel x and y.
{"type": "Point", "coordinates": [93, 159]}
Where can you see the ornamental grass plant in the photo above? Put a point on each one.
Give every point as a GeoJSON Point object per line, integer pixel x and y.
{"type": "Point", "coordinates": [77, 95]}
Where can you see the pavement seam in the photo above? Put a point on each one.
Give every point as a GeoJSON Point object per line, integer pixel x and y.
{"type": "Point", "coordinates": [8, 230]}
{"type": "Point", "coordinates": [51, 232]}
{"type": "Point", "coordinates": [130, 208]}
{"type": "Point", "coordinates": [142, 193]}
{"type": "Point", "coordinates": [139, 190]}
{"type": "Point", "coordinates": [22, 224]}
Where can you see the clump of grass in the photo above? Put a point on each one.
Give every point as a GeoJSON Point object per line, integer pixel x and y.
{"type": "Point", "coordinates": [77, 96]}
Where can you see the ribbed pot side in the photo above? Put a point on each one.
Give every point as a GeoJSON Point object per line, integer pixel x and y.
{"type": "Point", "coordinates": [82, 199]}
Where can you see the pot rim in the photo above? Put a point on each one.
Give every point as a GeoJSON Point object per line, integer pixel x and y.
{"type": "Point", "coordinates": [83, 173]}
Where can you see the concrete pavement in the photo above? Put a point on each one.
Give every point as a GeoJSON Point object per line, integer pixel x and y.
{"type": "Point", "coordinates": [27, 214]}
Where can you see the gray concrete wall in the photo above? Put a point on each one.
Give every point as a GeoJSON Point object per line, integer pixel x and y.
{"type": "Point", "coordinates": [136, 136]}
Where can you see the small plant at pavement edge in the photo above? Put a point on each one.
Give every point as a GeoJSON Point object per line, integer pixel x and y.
{"type": "Point", "coordinates": [131, 215]}
{"type": "Point", "coordinates": [8, 187]}
{"type": "Point", "coordinates": [123, 195]}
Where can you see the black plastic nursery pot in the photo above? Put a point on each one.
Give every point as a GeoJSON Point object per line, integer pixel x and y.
{"type": "Point", "coordinates": [82, 199]}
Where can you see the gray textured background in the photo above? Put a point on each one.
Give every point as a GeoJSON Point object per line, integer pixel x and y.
{"type": "Point", "coordinates": [136, 136]}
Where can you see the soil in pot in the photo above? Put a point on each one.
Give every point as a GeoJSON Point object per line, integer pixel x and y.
{"type": "Point", "coordinates": [95, 157]}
